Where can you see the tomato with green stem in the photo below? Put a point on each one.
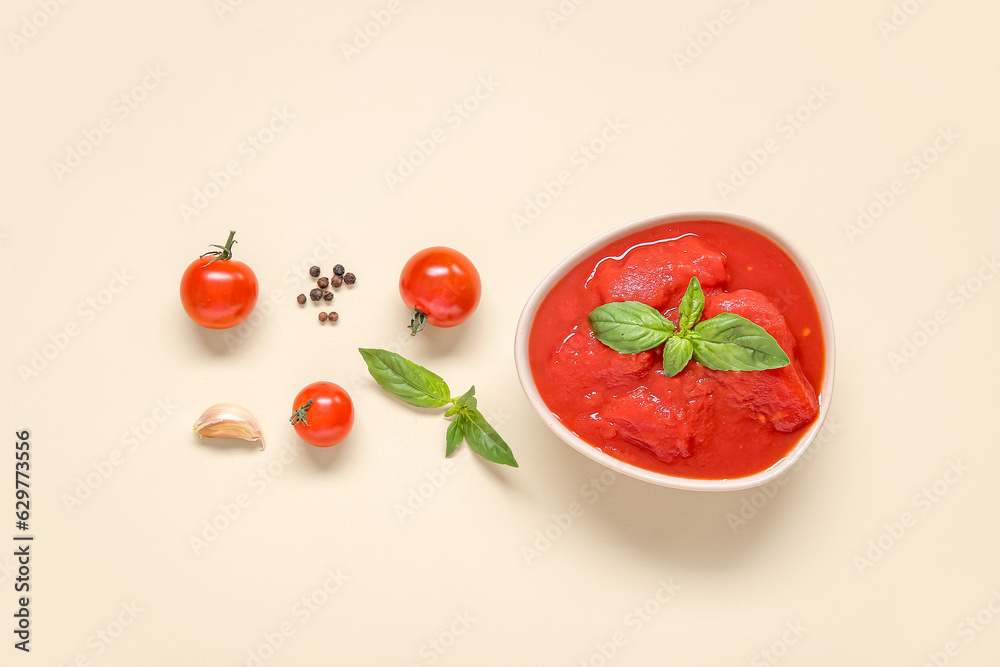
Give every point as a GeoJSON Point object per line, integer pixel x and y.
{"type": "Point", "coordinates": [323, 414]}
{"type": "Point", "coordinates": [221, 292]}
{"type": "Point", "coordinates": [440, 286]}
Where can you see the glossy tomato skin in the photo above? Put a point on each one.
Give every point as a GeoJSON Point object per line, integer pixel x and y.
{"type": "Point", "coordinates": [219, 295]}
{"type": "Point", "coordinates": [443, 284]}
{"type": "Point", "coordinates": [330, 417]}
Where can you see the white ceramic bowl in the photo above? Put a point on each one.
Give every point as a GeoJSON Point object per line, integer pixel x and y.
{"type": "Point", "coordinates": [527, 381]}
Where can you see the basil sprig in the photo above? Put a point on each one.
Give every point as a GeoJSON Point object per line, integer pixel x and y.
{"type": "Point", "coordinates": [726, 342]}
{"type": "Point", "coordinates": [418, 386]}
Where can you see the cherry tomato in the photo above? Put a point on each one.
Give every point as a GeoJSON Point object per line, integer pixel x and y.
{"type": "Point", "coordinates": [218, 292]}
{"type": "Point", "coordinates": [323, 414]}
{"type": "Point", "coordinates": [440, 286]}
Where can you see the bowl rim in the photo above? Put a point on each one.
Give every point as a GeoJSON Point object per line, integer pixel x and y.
{"type": "Point", "coordinates": [527, 318]}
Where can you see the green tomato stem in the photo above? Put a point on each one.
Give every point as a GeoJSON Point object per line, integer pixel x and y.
{"type": "Point", "coordinates": [418, 320]}
{"type": "Point", "coordinates": [300, 414]}
{"type": "Point", "coordinates": [224, 252]}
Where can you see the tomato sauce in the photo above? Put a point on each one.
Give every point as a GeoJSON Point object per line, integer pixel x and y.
{"type": "Point", "coordinates": [700, 423]}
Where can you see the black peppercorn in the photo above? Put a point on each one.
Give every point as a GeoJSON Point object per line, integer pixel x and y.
{"type": "Point", "coordinates": [336, 281]}
{"type": "Point", "coordinates": [316, 294]}
{"type": "Point", "coordinates": [314, 271]}
{"type": "Point", "coordinates": [328, 295]}
{"type": "Point", "coordinates": [323, 282]}
{"type": "Point", "coordinates": [349, 278]}
{"type": "Point", "coordinates": [333, 316]}
{"type": "Point", "coordinates": [301, 298]}
{"type": "Point", "coordinates": [338, 270]}
{"type": "Point", "coordinates": [322, 317]}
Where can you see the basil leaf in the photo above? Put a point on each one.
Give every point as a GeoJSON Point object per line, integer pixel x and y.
{"type": "Point", "coordinates": [467, 400]}
{"type": "Point", "coordinates": [484, 440]}
{"type": "Point", "coordinates": [629, 326]}
{"type": "Point", "coordinates": [729, 342]}
{"type": "Point", "coordinates": [454, 435]}
{"type": "Point", "coordinates": [692, 305]}
{"type": "Point", "coordinates": [406, 380]}
{"type": "Point", "coordinates": [676, 355]}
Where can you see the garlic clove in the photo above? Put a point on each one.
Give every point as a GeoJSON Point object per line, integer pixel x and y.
{"type": "Point", "coordinates": [228, 420]}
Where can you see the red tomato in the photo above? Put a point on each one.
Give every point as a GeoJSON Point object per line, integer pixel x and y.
{"type": "Point", "coordinates": [219, 292]}
{"type": "Point", "coordinates": [323, 414]}
{"type": "Point", "coordinates": [441, 286]}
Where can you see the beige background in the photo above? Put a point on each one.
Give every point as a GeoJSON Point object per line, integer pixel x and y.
{"type": "Point", "coordinates": [100, 248]}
